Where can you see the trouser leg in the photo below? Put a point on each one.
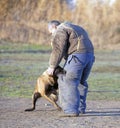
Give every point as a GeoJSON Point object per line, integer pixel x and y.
{"type": "Point", "coordinates": [69, 95]}
{"type": "Point", "coordinates": [83, 87]}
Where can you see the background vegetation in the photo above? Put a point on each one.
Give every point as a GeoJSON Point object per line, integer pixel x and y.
{"type": "Point", "coordinates": [26, 20]}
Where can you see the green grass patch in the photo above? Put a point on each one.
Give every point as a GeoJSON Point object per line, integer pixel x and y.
{"type": "Point", "coordinates": [19, 71]}
{"type": "Point", "coordinates": [6, 46]}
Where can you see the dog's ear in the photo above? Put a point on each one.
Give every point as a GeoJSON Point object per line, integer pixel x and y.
{"type": "Point", "coordinates": [59, 70]}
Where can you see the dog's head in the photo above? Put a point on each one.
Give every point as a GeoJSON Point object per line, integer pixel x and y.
{"type": "Point", "coordinates": [59, 70]}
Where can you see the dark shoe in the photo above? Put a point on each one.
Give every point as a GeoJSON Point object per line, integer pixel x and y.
{"type": "Point", "coordinates": [69, 115]}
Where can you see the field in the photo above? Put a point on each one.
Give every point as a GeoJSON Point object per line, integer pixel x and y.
{"type": "Point", "coordinates": [20, 65]}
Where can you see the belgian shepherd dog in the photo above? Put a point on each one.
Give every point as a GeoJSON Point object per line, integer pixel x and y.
{"type": "Point", "coordinates": [47, 87]}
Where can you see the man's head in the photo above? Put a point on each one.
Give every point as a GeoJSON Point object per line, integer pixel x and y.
{"type": "Point", "coordinates": [52, 26]}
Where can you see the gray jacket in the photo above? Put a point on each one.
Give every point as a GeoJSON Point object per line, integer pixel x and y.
{"type": "Point", "coordinates": [68, 39]}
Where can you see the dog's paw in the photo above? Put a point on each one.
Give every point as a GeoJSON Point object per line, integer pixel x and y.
{"type": "Point", "coordinates": [59, 109]}
{"type": "Point", "coordinates": [29, 109]}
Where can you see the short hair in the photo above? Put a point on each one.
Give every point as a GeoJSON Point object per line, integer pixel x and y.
{"type": "Point", "coordinates": [54, 22]}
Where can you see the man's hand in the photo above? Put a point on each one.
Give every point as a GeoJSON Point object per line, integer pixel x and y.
{"type": "Point", "coordinates": [49, 71]}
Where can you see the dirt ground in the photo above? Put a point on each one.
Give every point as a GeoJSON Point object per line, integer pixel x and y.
{"type": "Point", "coordinates": [100, 114]}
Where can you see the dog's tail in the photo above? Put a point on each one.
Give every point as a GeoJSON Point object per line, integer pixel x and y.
{"type": "Point", "coordinates": [36, 95]}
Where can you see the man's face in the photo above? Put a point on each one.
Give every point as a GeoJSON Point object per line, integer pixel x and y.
{"type": "Point", "coordinates": [51, 29]}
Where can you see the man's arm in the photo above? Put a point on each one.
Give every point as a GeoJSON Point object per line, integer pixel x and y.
{"type": "Point", "coordinates": [59, 44]}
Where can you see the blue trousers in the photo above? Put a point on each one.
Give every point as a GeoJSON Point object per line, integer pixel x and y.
{"type": "Point", "coordinates": [73, 85]}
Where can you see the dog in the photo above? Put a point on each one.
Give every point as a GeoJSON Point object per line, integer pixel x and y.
{"type": "Point", "coordinates": [47, 87]}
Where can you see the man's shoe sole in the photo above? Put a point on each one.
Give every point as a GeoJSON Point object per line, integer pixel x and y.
{"type": "Point", "coordinates": [69, 115]}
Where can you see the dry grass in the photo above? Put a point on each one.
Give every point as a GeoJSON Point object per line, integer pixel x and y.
{"type": "Point", "coordinates": [26, 20]}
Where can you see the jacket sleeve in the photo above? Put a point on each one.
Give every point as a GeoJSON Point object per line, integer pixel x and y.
{"type": "Point", "coordinates": [59, 48]}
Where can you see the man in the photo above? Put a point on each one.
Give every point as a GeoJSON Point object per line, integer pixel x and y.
{"type": "Point", "coordinates": [72, 43]}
